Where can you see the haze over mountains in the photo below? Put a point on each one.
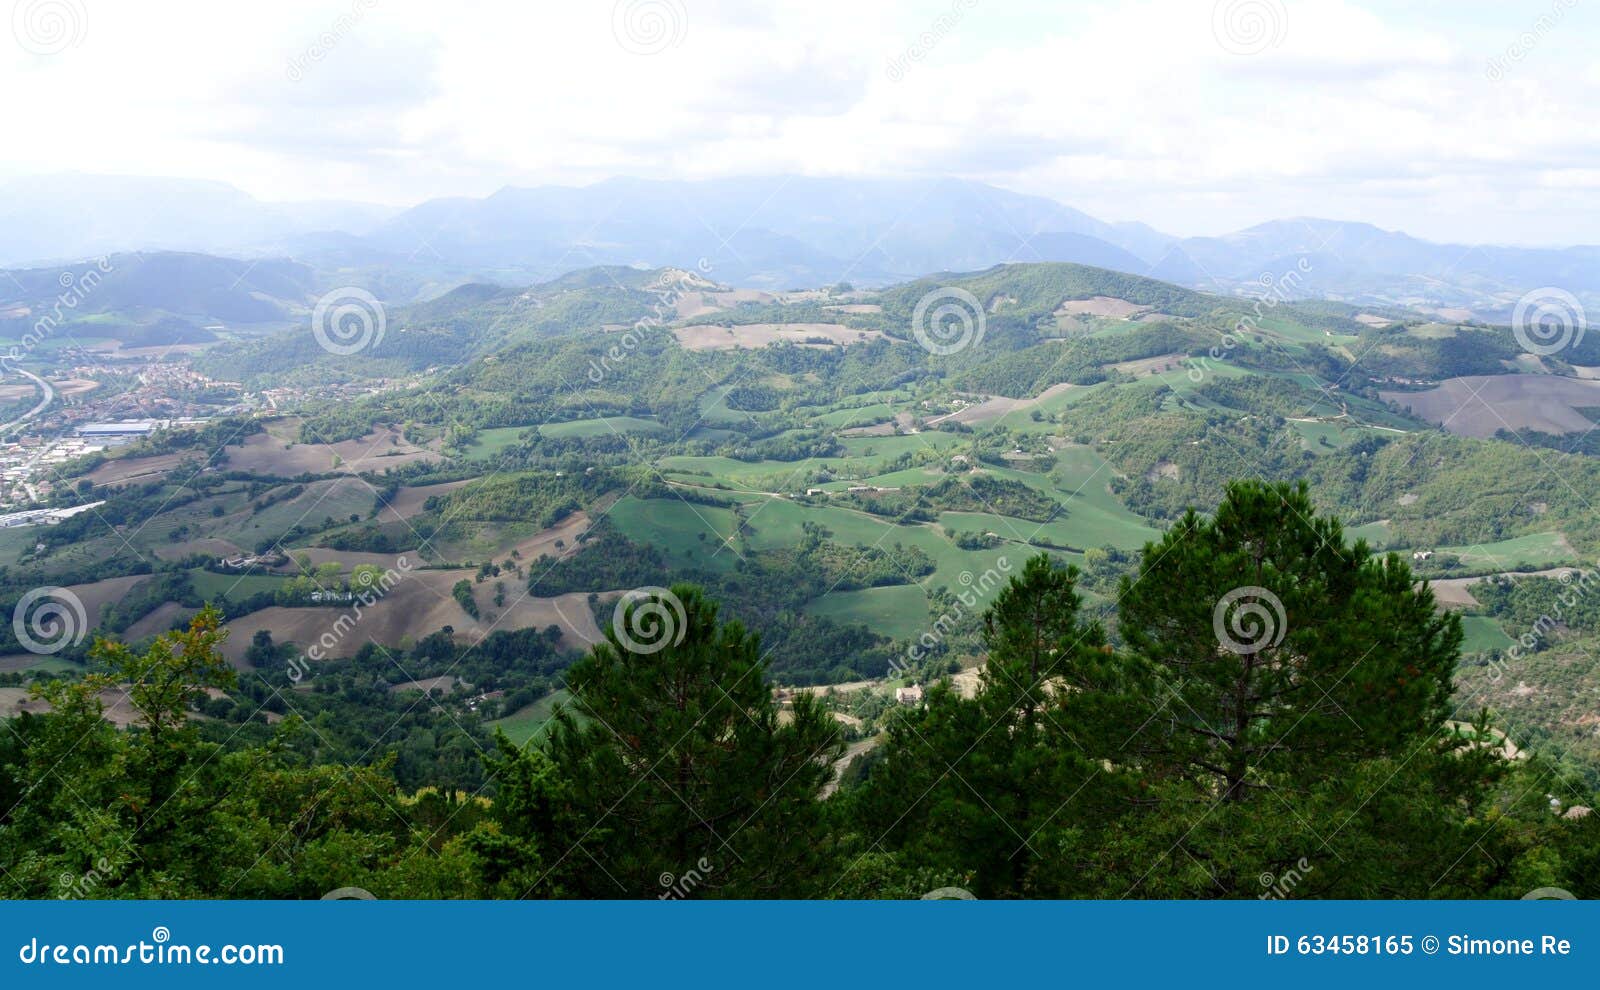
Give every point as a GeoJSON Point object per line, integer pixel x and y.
{"type": "Point", "coordinates": [70, 217]}
{"type": "Point", "coordinates": [774, 232]}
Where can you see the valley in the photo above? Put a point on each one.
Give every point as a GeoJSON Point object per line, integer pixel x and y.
{"type": "Point", "coordinates": [657, 450]}
{"type": "Point", "coordinates": [519, 460]}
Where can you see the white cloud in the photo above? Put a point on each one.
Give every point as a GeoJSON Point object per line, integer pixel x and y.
{"type": "Point", "coordinates": [1127, 110]}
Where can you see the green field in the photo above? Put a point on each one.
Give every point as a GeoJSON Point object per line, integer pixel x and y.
{"type": "Point", "coordinates": [1482, 634]}
{"type": "Point", "coordinates": [526, 724]}
{"type": "Point", "coordinates": [714, 409]}
{"type": "Point", "coordinates": [690, 534]}
{"type": "Point", "coordinates": [778, 524]}
{"type": "Point", "coordinates": [489, 443]}
{"type": "Point", "coordinates": [209, 585]}
{"type": "Point", "coordinates": [1313, 436]}
{"type": "Point", "coordinates": [1530, 552]}
{"type": "Point", "coordinates": [1093, 516]}
{"type": "Point", "coordinates": [863, 458]}
{"type": "Point", "coordinates": [887, 448]}
{"type": "Point", "coordinates": [857, 416]}
{"type": "Point", "coordinates": [900, 611]}
{"type": "Point", "coordinates": [1289, 329]}
{"type": "Point", "coordinates": [467, 540]}
{"type": "Point", "coordinates": [1378, 534]}
{"type": "Point", "coordinates": [894, 479]}
{"type": "Point", "coordinates": [603, 426]}
{"type": "Point", "coordinates": [338, 498]}
{"type": "Point", "coordinates": [756, 475]}
{"type": "Point", "coordinates": [14, 541]}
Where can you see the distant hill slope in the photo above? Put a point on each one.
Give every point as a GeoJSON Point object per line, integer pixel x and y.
{"type": "Point", "coordinates": [152, 299]}
{"type": "Point", "coordinates": [779, 232]}
{"type": "Point", "coordinates": [468, 322]}
{"type": "Point", "coordinates": [1036, 290]}
{"type": "Point", "coordinates": [475, 325]}
{"type": "Point", "coordinates": [73, 216]}
{"type": "Point", "coordinates": [785, 232]}
{"type": "Point", "coordinates": [776, 233]}
{"type": "Point", "coordinates": [1363, 263]}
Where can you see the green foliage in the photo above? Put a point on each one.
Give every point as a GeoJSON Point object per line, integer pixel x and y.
{"type": "Point", "coordinates": [145, 597]}
{"type": "Point", "coordinates": [1078, 360]}
{"type": "Point", "coordinates": [608, 560]}
{"type": "Point", "coordinates": [1569, 605]}
{"type": "Point", "coordinates": [1161, 766]}
{"type": "Point", "coordinates": [544, 499]}
{"type": "Point", "coordinates": [1017, 760]}
{"type": "Point", "coordinates": [1288, 652]}
{"type": "Point", "coordinates": [1262, 394]}
{"type": "Point", "coordinates": [682, 755]}
{"type": "Point", "coordinates": [213, 438]}
{"type": "Point", "coordinates": [975, 492]}
{"type": "Point", "coordinates": [1076, 770]}
{"type": "Point", "coordinates": [1391, 352]}
{"type": "Point", "coordinates": [1193, 765]}
{"type": "Point", "coordinates": [461, 591]}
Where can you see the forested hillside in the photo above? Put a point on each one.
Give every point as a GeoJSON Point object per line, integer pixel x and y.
{"type": "Point", "coordinates": [1308, 742]}
{"type": "Point", "coordinates": [422, 556]}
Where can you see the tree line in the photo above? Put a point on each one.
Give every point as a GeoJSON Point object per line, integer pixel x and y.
{"type": "Point", "coordinates": [1276, 722]}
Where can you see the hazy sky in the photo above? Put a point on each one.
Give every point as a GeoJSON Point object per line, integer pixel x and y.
{"type": "Point", "coordinates": [1469, 121]}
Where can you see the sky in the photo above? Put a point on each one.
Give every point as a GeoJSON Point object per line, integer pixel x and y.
{"type": "Point", "coordinates": [1456, 121]}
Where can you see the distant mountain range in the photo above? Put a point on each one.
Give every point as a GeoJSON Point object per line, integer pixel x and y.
{"type": "Point", "coordinates": [778, 232]}
{"type": "Point", "coordinates": [69, 217]}
{"type": "Point", "coordinates": [153, 298]}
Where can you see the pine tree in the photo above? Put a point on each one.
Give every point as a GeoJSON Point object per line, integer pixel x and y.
{"type": "Point", "coordinates": [967, 785]}
{"type": "Point", "coordinates": [681, 765]}
{"type": "Point", "coordinates": [1275, 649]}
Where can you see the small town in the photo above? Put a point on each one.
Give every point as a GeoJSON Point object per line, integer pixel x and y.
{"type": "Point", "coordinates": [93, 403]}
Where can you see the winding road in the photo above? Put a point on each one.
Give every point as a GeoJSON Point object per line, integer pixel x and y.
{"type": "Point", "coordinates": [44, 403]}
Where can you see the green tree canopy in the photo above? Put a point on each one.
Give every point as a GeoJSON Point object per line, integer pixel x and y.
{"type": "Point", "coordinates": [680, 762]}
